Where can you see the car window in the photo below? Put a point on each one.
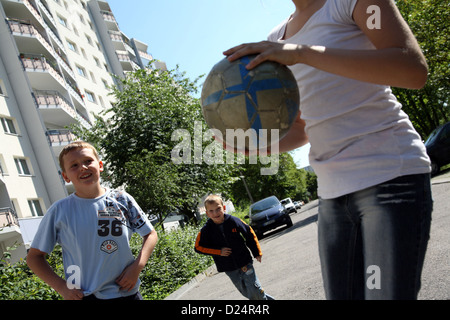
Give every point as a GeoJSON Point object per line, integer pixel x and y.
{"type": "Point", "coordinates": [432, 136]}
{"type": "Point", "coordinates": [263, 205]}
{"type": "Point", "coordinates": [445, 135]}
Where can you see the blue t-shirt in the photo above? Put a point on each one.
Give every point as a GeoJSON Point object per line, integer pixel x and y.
{"type": "Point", "coordinates": [94, 235]}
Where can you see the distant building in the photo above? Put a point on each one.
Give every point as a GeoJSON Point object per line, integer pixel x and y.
{"type": "Point", "coordinates": [309, 169]}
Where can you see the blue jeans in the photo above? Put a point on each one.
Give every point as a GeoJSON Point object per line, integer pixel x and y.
{"type": "Point", "coordinates": [247, 283]}
{"type": "Point", "coordinates": [372, 243]}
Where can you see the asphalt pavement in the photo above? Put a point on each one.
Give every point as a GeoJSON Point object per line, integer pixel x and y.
{"type": "Point", "coordinates": [290, 268]}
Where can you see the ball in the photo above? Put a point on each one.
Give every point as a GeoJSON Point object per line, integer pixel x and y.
{"type": "Point", "coordinates": [251, 108]}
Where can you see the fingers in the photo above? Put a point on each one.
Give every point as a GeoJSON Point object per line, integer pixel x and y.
{"type": "Point", "coordinates": [73, 294]}
{"type": "Point", "coordinates": [126, 281]}
{"type": "Point", "coordinates": [225, 252]}
{"type": "Point", "coordinates": [287, 54]}
{"type": "Point", "coordinates": [248, 49]}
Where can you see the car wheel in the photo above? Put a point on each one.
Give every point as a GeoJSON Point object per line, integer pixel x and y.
{"type": "Point", "coordinates": [289, 222]}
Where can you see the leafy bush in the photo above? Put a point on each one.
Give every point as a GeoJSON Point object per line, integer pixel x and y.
{"type": "Point", "coordinates": [172, 264]}
{"type": "Point", "coordinates": [18, 282]}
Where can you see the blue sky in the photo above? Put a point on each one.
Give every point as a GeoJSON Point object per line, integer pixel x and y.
{"type": "Point", "coordinates": [193, 33]}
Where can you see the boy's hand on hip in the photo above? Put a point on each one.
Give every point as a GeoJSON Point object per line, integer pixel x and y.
{"type": "Point", "coordinates": [128, 278]}
{"type": "Point", "coordinates": [225, 252]}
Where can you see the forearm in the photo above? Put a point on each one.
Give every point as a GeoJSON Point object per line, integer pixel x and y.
{"type": "Point", "coordinates": [295, 138]}
{"type": "Point", "coordinates": [397, 67]}
{"type": "Point", "coordinates": [38, 264]}
{"type": "Point", "coordinates": [148, 245]}
{"type": "Point", "coordinates": [130, 275]}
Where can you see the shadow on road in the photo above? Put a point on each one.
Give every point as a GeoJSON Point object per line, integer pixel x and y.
{"type": "Point", "coordinates": [283, 230]}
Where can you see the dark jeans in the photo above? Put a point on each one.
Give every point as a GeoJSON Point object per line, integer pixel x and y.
{"type": "Point", "coordinates": [372, 243]}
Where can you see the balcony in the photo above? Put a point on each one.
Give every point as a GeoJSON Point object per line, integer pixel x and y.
{"type": "Point", "coordinates": [55, 109]}
{"type": "Point", "coordinates": [110, 20]}
{"type": "Point", "coordinates": [44, 75]}
{"type": "Point", "coordinates": [25, 32]}
{"type": "Point", "coordinates": [60, 137]}
{"type": "Point", "coordinates": [117, 40]}
{"type": "Point", "coordinates": [125, 60]}
{"type": "Point", "coordinates": [8, 218]}
{"type": "Point", "coordinates": [31, 11]}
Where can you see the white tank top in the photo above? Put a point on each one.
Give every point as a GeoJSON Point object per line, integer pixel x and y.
{"type": "Point", "coordinates": [359, 135]}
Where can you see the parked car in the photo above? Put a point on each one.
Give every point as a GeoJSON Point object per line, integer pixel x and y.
{"type": "Point", "coordinates": [268, 214]}
{"type": "Point", "coordinates": [289, 205]}
{"type": "Point", "coordinates": [298, 205]}
{"type": "Point", "coordinates": [438, 147]}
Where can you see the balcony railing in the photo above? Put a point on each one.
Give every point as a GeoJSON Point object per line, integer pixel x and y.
{"type": "Point", "coordinates": [8, 218]}
{"type": "Point", "coordinates": [60, 137]}
{"type": "Point", "coordinates": [123, 56]}
{"type": "Point", "coordinates": [26, 28]}
{"type": "Point", "coordinates": [108, 16]}
{"type": "Point", "coordinates": [36, 63]}
{"type": "Point", "coordinates": [32, 62]}
{"type": "Point", "coordinates": [115, 35]}
{"type": "Point", "coordinates": [45, 99]}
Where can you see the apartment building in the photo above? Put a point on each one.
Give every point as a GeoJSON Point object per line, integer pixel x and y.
{"type": "Point", "coordinates": [57, 58]}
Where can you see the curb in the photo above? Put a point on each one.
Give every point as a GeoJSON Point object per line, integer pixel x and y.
{"type": "Point", "coordinates": [176, 295]}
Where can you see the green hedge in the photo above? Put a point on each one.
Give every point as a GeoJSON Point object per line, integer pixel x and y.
{"type": "Point", "coordinates": [172, 264]}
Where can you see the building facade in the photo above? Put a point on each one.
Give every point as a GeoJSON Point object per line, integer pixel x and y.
{"type": "Point", "coordinates": [57, 61]}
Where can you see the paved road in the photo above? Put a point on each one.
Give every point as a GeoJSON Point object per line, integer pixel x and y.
{"type": "Point", "coordinates": [290, 269]}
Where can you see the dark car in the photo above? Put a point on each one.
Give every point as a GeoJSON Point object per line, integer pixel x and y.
{"type": "Point", "coordinates": [438, 147]}
{"type": "Point", "coordinates": [268, 214]}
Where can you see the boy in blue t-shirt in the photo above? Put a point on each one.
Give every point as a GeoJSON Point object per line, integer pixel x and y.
{"type": "Point", "coordinates": [93, 227]}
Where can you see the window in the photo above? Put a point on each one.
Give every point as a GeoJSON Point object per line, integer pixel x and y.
{"type": "Point", "coordinates": [22, 166]}
{"type": "Point", "coordinates": [8, 126]}
{"type": "Point", "coordinates": [81, 71]}
{"type": "Point", "coordinates": [2, 88]}
{"type": "Point", "coordinates": [62, 21]}
{"type": "Point", "coordinates": [35, 208]}
{"type": "Point", "coordinates": [71, 46]}
{"type": "Point", "coordinates": [97, 62]}
{"type": "Point", "coordinates": [90, 96]}
{"type": "Point", "coordinates": [2, 167]}
{"type": "Point", "coordinates": [89, 40]}
{"type": "Point", "coordinates": [101, 102]}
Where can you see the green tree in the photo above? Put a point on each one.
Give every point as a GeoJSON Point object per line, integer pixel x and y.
{"type": "Point", "coordinates": [429, 21]}
{"type": "Point", "coordinates": [288, 182]}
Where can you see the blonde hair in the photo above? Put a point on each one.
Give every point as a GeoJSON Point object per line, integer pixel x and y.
{"type": "Point", "coordinates": [213, 198]}
{"type": "Point", "coordinates": [73, 146]}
